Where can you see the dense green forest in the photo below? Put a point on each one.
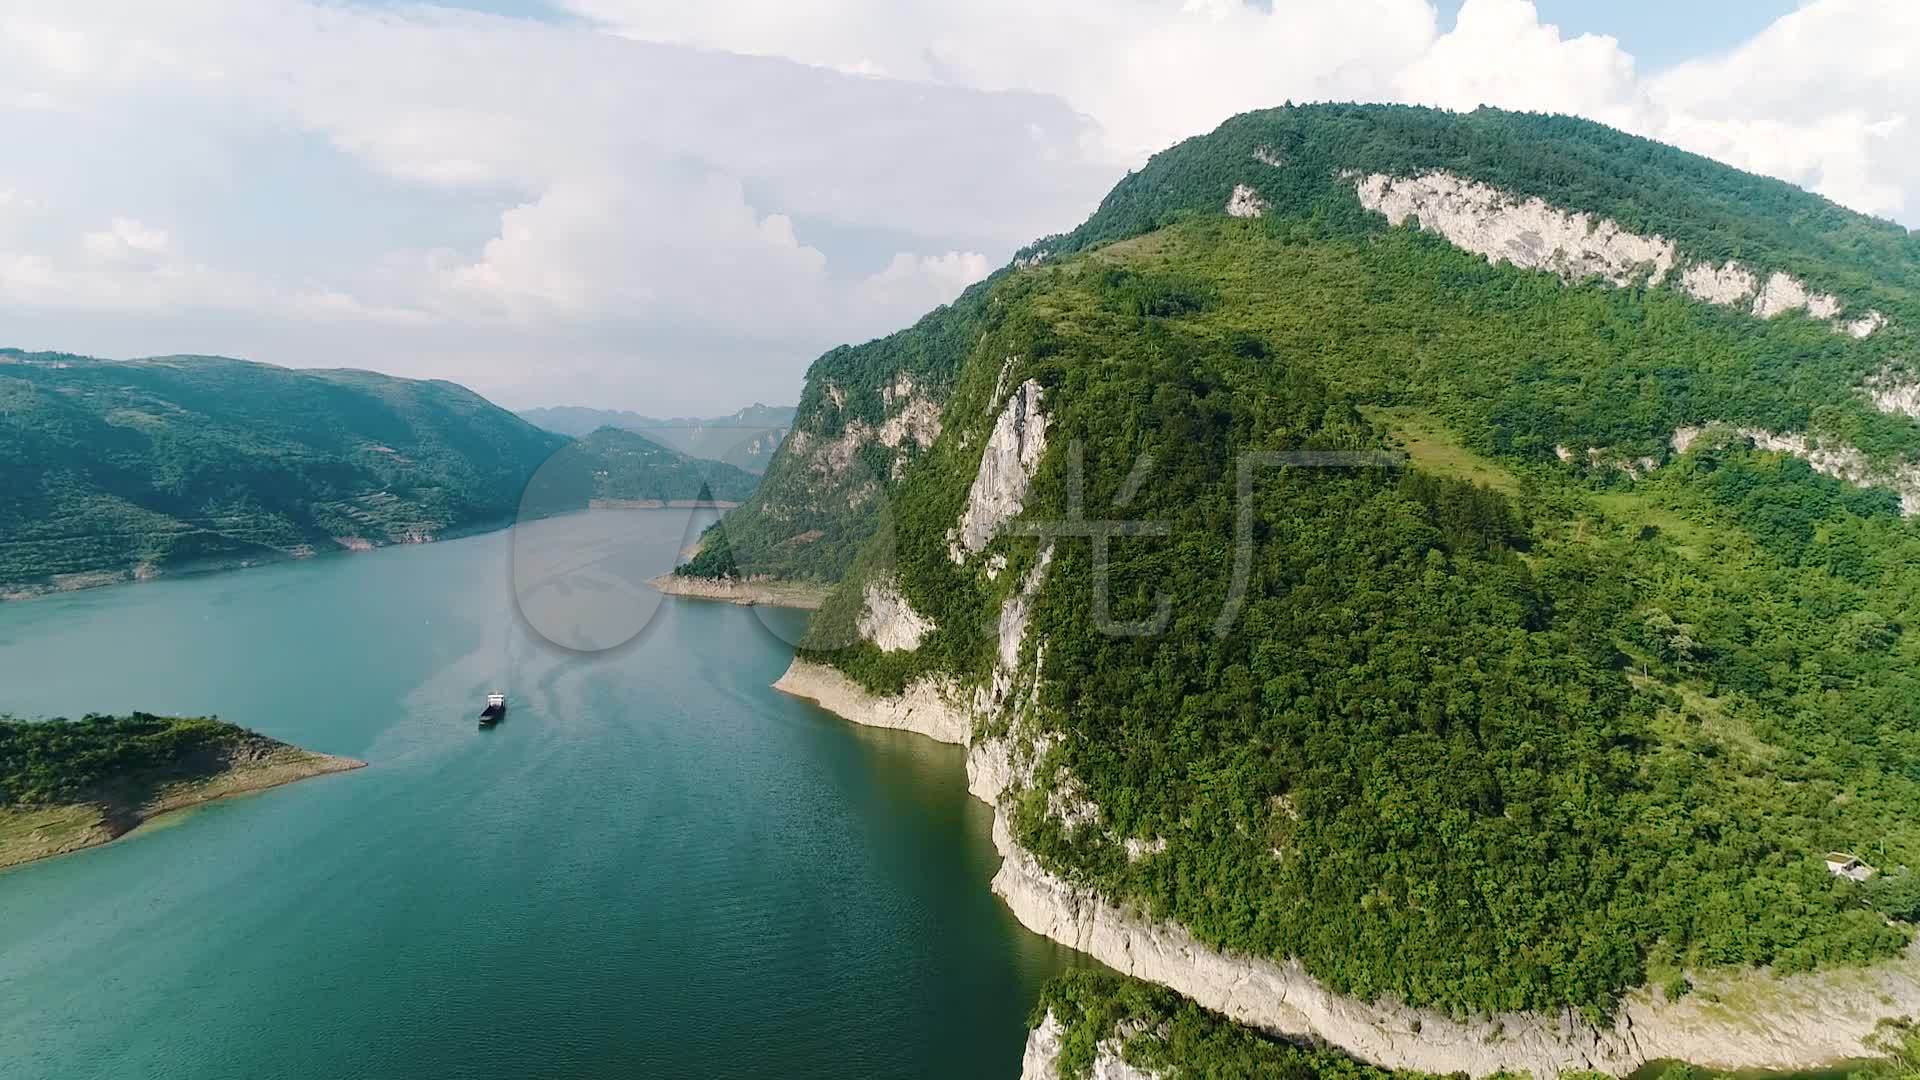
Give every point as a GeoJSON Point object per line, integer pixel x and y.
{"type": "Point", "coordinates": [55, 762]}
{"type": "Point", "coordinates": [745, 439]}
{"type": "Point", "coordinates": [1489, 730]}
{"type": "Point", "coordinates": [110, 467]}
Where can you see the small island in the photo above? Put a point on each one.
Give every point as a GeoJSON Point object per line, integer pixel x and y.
{"type": "Point", "coordinates": [71, 784]}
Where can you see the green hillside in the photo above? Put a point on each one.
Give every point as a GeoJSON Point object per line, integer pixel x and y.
{"type": "Point", "coordinates": [1710, 211]}
{"type": "Point", "coordinates": [128, 468]}
{"type": "Point", "coordinates": [1559, 705]}
{"type": "Point", "coordinates": [623, 466]}
{"type": "Point", "coordinates": [745, 439]}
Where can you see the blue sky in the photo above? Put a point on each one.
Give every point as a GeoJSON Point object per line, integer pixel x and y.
{"type": "Point", "coordinates": [1659, 33]}
{"type": "Point", "coordinates": [674, 208]}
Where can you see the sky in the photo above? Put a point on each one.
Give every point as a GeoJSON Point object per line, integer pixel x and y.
{"type": "Point", "coordinates": [674, 207]}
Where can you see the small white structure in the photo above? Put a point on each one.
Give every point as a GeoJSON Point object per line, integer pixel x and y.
{"type": "Point", "coordinates": [1841, 864]}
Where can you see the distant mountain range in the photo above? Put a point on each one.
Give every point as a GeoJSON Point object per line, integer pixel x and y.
{"type": "Point", "coordinates": [613, 465]}
{"type": "Point", "coordinates": [746, 439]}
{"type": "Point", "coordinates": [113, 470]}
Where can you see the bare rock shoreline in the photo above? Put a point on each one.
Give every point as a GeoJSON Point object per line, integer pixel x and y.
{"type": "Point", "coordinates": [1732, 1020]}
{"type": "Point", "coordinates": [757, 590]}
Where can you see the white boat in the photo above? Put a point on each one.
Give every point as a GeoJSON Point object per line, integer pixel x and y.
{"type": "Point", "coordinates": [496, 708]}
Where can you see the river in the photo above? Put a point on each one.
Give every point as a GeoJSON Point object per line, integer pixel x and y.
{"type": "Point", "coordinates": [656, 866]}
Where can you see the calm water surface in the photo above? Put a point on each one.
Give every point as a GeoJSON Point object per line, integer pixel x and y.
{"type": "Point", "coordinates": [655, 866]}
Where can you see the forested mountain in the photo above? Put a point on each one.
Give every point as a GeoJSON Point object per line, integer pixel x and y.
{"type": "Point", "coordinates": [117, 469]}
{"type": "Point", "coordinates": [1556, 708]}
{"type": "Point", "coordinates": [745, 439]}
{"type": "Point", "coordinates": [616, 465]}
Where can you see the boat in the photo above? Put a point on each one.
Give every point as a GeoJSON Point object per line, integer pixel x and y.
{"type": "Point", "coordinates": [496, 708]}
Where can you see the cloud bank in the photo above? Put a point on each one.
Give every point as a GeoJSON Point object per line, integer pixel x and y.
{"type": "Point", "coordinates": [674, 207]}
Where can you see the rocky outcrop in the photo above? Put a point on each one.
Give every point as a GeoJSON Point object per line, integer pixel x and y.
{"type": "Point", "coordinates": [1783, 293]}
{"type": "Point", "coordinates": [1896, 393]}
{"type": "Point", "coordinates": [999, 488]}
{"type": "Point", "coordinates": [1839, 461]}
{"type": "Point", "coordinates": [912, 417]}
{"type": "Point", "coordinates": [929, 707]}
{"type": "Point", "coordinates": [1041, 1061]}
{"type": "Point", "coordinates": [910, 424]}
{"type": "Point", "coordinates": [1865, 326]}
{"type": "Point", "coordinates": [1534, 235]}
{"type": "Point", "coordinates": [1526, 232]}
{"type": "Point", "coordinates": [1245, 202]}
{"type": "Point", "coordinates": [889, 621]}
{"type": "Point", "coordinates": [1723, 285]}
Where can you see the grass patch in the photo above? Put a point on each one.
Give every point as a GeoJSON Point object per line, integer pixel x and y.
{"type": "Point", "coordinates": [1430, 446]}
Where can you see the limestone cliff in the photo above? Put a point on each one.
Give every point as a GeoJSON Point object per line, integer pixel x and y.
{"type": "Point", "coordinates": [1041, 1061]}
{"type": "Point", "coordinates": [1534, 235]}
{"type": "Point", "coordinates": [1013, 450]}
{"type": "Point", "coordinates": [1731, 1021]}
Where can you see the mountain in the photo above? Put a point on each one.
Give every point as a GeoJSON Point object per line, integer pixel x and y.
{"type": "Point", "coordinates": [615, 465]}
{"type": "Point", "coordinates": [745, 439]}
{"type": "Point", "coordinates": [118, 469]}
{"type": "Point", "coordinates": [1439, 584]}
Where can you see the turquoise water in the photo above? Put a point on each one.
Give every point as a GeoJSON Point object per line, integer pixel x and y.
{"type": "Point", "coordinates": [655, 866]}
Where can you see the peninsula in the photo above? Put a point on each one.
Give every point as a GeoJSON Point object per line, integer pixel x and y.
{"type": "Point", "coordinates": [67, 785]}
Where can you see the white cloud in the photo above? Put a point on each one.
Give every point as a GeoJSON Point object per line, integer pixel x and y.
{"type": "Point", "coordinates": [1822, 97]}
{"type": "Point", "coordinates": [1825, 98]}
{"type": "Point", "coordinates": [1499, 53]}
{"type": "Point", "coordinates": [1151, 72]}
{"type": "Point", "coordinates": [923, 282]}
{"type": "Point", "coordinates": [125, 240]}
{"type": "Point", "coordinates": [556, 205]}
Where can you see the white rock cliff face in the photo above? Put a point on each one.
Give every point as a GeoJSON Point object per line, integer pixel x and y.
{"type": "Point", "coordinates": [929, 707]}
{"type": "Point", "coordinates": [1041, 1061]}
{"type": "Point", "coordinates": [911, 417]}
{"type": "Point", "coordinates": [1865, 326]}
{"type": "Point", "coordinates": [1012, 452]}
{"type": "Point", "coordinates": [1245, 202]}
{"type": "Point", "coordinates": [1525, 232]}
{"type": "Point", "coordinates": [1783, 293]}
{"type": "Point", "coordinates": [890, 622]}
{"type": "Point", "coordinates": [1895, 393]}
{"type": "Point", "coordinates": [1723, 285]}
{"type": "Point", "coordinates": [1534, 235]}
{"type": "Point", "coordinates": [1838, 461]}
